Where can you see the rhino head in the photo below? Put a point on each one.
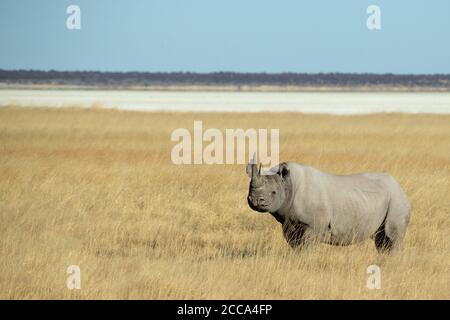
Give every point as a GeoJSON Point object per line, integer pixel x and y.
{"type": "Point", "coordinates": [268, 192]}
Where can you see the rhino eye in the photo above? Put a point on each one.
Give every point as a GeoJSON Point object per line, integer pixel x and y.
{"type": "Point", "coordinates": [274, 192]}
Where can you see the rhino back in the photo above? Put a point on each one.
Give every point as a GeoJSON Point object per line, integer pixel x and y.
{"type": "Point", "coordinates": [342, 209]}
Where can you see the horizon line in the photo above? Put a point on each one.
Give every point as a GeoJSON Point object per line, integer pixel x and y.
{"type": "Point", "coordinates": [231, 72]}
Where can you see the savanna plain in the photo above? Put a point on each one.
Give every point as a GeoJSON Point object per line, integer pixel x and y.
{"type": "Point", "coordinates": [97, 188]}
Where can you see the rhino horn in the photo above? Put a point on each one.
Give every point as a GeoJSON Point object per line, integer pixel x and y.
{"type": "Point", "coordinates": [252, 168]}
{"type": "Point", "coordinates": [255, 172]}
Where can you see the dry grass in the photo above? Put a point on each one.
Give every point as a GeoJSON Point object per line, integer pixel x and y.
{"type": "Point", "coordinates": [96, 188]}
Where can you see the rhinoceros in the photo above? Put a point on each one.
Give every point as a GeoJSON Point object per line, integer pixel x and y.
{"type": "Point", "coordinates": [314, 206]}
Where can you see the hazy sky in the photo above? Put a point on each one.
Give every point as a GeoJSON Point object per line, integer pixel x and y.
{"type": "Point", "coordinates": [227, 35]}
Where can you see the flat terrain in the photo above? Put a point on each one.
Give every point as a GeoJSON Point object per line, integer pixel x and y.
{"type": "Point", "coordinates": [341, 103]}
{"type": "Point", "coordinates": [96, 188]}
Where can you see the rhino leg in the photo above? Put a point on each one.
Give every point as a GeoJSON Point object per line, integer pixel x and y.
{"type": "Point", "coordinates": [389, 236]}
{"type": "Point", "coordinates": [295, 233]}
{"type": "Point", "coordinates": [382, 242]}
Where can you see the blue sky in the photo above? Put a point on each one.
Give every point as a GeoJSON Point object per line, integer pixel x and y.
{"type": "Point", "coordinates": [227, 35]}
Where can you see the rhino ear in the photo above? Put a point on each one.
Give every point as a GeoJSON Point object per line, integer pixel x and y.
{"type": "Point", "coordinates": [283, 170]}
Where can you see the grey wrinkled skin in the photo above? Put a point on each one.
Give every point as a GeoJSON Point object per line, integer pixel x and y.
{"type": "Point", "coordinates": [314, 206]}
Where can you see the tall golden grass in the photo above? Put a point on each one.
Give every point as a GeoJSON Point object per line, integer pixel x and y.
{"type": "Point", "coordinates": [96, 188]}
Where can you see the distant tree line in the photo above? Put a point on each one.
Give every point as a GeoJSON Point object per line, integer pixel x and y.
{"type": "Point", "coordinates": [127, 79]}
